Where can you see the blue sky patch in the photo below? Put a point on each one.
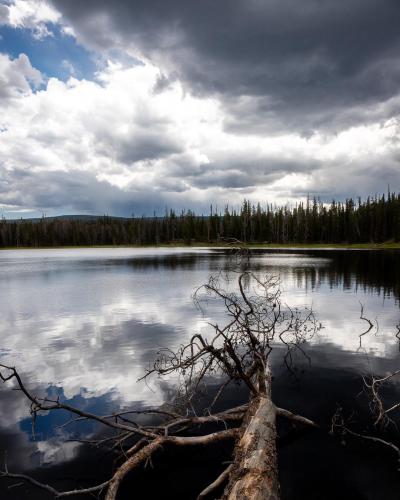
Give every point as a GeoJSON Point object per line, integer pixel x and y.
{"type": "Point", "coordinates": [57, 56]}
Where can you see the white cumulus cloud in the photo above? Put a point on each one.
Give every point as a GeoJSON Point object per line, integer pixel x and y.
{"type": "Point", "coordinates": [131, 142]}
{"type": "Point", "coordinates": [30, 14]}
{"type": "Point", "coordinates": [16, 77]}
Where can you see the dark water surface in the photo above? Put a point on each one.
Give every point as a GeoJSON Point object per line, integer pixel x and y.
{"type": "Point", "coordinates": [84, 324]}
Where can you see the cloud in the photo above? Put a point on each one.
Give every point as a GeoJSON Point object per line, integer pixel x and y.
{"type": "Point", "coordinates": [126, 143]}
{"type": "Point", "coordinates": [4, 14]}
{"type": "Point", "coordinates": [97, 146]}
{"type": "Point", "coordinates": [202, 103]}
{"type": "Point", "coordinates": [34, 15]}
{"type": "Point", "coordinates": [276, 65]}
{"type": "Point", "coordinates": [17, 76]}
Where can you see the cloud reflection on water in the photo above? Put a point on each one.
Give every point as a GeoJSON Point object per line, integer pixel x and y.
{"type": "Point", "coordinates": [89, 321]}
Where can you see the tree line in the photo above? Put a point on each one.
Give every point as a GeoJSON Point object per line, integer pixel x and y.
{"type": "Point", "coordinates": [373, 220]}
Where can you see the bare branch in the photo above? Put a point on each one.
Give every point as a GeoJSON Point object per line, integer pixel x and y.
{"type": "Point", "coordinates": [146, 452]}
{"type": "Point", "coordinates": [221, 479]}
{"type": "Point", "coordinates": [369, 323]}
{"type": "Point", "coordinates": [297, 419]}
{"type": "Point", "coordinates": [50, 489]}
{"type": "Point", "coordinates": [378, 408]}
{"type": "Point", "coordinates": [44, 404]}
{"type": "Point", "coordinates": [339, 426]}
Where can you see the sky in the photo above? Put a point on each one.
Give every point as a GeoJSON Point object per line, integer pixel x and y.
{"type": "Point", "coordinates": [130, 106]}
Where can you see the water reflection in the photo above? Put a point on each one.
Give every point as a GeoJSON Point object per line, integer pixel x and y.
{"type": "Point", "coordinates": [85, 324]}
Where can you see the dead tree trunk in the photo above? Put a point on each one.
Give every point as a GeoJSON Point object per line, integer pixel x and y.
{"type": "Point", "coordinates": [255, 472]}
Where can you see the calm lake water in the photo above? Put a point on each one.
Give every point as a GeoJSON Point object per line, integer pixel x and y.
{"type": "Point", "coordinates": [84, 324]}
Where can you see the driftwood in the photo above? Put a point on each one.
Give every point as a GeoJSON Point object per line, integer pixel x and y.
{"type": "Point", "coordinates": [255, 471]}
{"type": "Point", "coordinates": [238, 352]}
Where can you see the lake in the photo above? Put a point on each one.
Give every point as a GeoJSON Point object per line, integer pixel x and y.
{"type": "Point", "coordinates": [84, 324]}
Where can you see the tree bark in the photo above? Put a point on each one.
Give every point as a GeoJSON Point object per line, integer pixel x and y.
{"type": "Point", "coordinates": [255, 471]}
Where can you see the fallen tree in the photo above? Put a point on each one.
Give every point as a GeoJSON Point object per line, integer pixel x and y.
{"type": "Point", "coordinates": [237, 352]}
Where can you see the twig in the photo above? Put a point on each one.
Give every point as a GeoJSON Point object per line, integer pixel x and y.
{"type": "Point", "coordinates": [216, 484]}
{"type": "Point", "coordinates": [50, 489]}
{"type": "Point", "coordinates": [297, 419]}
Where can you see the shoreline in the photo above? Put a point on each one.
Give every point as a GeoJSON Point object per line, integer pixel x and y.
{"type": "Point", "coordinates": [256, 246]}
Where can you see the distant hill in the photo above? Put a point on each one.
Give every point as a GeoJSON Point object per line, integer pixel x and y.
{"type": "Point", "coordinates": [68, 217]}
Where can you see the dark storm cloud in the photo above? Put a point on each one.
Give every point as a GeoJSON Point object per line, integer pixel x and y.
{"type": "Point", "coordinates": [369, 176]}
{"type": "Point", "coordinates": [76, 190]}
{"type": "Point", "coordinates": [233, 172]}
{"type": "Point", "coordinates": [138, 145]}
{"type": "Point", "coordinates": [281, 64]}
{"type": "Point", "coordinates": [82, 192]}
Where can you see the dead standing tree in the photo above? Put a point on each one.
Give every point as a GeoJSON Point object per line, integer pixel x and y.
{"type": "Point", "coordinates": [238, 351]}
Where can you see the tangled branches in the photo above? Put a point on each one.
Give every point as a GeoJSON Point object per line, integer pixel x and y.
{"type": "Point", "coordinates": [374, 385]}
{"type": "Point", "coordinates": [238, 351]}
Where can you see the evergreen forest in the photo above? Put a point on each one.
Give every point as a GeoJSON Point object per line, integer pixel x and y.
{"type": "Point", "coordinates": [373, 220]}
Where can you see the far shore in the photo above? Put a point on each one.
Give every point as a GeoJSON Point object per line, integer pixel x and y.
{"type": "Point", "coordinates": [271, 246]}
